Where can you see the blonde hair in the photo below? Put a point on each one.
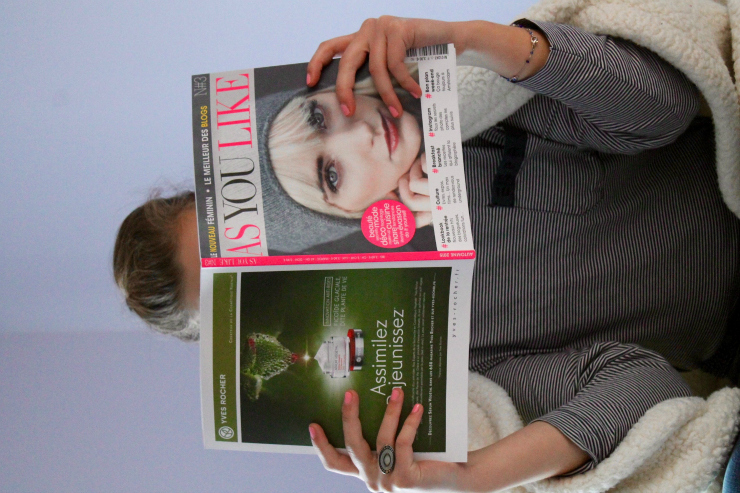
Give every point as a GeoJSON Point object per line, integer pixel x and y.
{"type": "Point", "coordinates": [291, 138]}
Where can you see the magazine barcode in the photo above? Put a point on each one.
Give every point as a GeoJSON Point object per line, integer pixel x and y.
{"type": "Point", "coordinates": [427, 51]}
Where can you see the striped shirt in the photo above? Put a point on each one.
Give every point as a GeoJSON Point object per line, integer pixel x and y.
{"type": "Point", "coordinates": [600, 232]}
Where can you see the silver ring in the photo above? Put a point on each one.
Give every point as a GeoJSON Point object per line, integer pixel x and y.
{"type": "Point", "coordinates": [387, 459]}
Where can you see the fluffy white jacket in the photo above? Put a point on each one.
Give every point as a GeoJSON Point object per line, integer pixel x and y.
{"type": "Point", "coordinates": [699, 37]}
{"type": "Point", "coordinates": [680, 445]}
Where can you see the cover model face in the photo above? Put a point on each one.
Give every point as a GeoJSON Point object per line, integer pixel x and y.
{"type": "Point", "coordinates": [358, 159]}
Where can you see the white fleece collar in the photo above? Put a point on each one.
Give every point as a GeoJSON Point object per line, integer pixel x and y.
{"type": "Point", "coordinates": [679, 446]}
{"type": "Point", "coordinates": [699, 37]}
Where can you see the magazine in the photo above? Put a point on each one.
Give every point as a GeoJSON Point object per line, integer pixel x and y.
{"type": "Point", "coordinates": [336, 254]}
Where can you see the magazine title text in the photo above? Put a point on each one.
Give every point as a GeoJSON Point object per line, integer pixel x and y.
{"type": "Point", "coordinates": [238, 170]}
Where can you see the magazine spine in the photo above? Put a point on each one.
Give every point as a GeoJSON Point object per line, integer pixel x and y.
{"type": "Point", "coordinates": [340, 258]}
{"type": "Point", "coordinates": [203, 163]}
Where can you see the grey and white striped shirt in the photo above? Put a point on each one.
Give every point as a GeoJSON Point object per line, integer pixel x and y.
{"type": "Point", "coordinates": [612, 239]}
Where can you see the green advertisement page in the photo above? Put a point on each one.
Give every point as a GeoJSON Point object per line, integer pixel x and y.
{"type": "Point", "coordinates": [306, 337]}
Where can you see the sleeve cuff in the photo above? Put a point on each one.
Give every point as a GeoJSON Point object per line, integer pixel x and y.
{"type": "Point", "coordinates": [568, 47]}
{"type": "Point", "coordinates": [573, 429]}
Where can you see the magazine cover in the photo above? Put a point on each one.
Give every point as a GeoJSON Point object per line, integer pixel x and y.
{"type": "Point", "coordinates": [286, 345]}
{"type": "Point", "coordinates": [281, 171]}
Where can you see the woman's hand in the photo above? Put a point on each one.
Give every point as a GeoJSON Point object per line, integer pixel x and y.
{"type": "Point", "coordinates": [413, 187]}
{"type": "Point", "coordinates": [361, 460]}
{"type": "Point", "coordinates": [537, 451]}
{"type": "Point", "coordinates": [384, 41]}
{"type": "Point", "coordinates": [413, 191]}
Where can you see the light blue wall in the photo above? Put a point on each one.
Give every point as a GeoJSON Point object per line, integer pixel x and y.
{"type": "Point", "coordinates": [95, 106]}
{"type": "Point", "coordinates": [120, 412]}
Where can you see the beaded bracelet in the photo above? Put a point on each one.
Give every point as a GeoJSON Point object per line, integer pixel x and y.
{"type": "Point", "coordinates": [534, 41]}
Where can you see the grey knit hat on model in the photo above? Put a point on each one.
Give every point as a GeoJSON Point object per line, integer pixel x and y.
{"type": "Point", "coordinates": [291, 227]}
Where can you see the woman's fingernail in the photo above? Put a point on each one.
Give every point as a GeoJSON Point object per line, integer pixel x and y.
{"type": "Point", "coordinates": [345, 109]}
{"type": "Point", "coordinates": [347, 397]}
{"type": "Point", "coordinates": [393, 111]}
{"type": "Point", "coordinates": [416, 409]}
{"type": "Point", "coordinates": [308, 79]}
{"type": "Point", "coordinates": [395, 394]}
{"type": "Point", "coordinates": [417, 95]}
{"type": "Point", "coordinates": [312, 433]}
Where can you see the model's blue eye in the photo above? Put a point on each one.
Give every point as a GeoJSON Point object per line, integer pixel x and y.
{"type": "Point", "coordinates": [316, 116]}
{"type": "Point", "coordinates": [331, 177]}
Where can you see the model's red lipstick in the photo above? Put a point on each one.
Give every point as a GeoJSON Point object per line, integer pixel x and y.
{"type": "Point", "coordinates": [391, 132]}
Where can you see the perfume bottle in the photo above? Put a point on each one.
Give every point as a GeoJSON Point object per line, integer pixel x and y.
{"type": "Point", "coordinates": [340, 355]}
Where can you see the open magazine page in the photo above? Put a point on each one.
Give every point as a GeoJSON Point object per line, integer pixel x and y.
{"type": "Point", "coordinates": [281, 345]}
{"type": "Point", "coordinates": [283, 177]}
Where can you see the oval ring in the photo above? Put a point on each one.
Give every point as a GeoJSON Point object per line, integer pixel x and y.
{"type": "Point", "coordinates": [387, 459]}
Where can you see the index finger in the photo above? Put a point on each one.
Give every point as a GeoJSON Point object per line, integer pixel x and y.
{"type": "Point", "coordinates": [323, 55]}
{"type": "Point", "coordinates": [331, 458]}
{"type": "Point", "coordinates": [352, 59]}
{"type": "Point", "coordinates": [415, 202]}
{"type": "Point", "coordinates": [381, 77]}
{"type": "Point", "coordinates": [354, 442]}
{"type": "Point", "coordinates": [417, 182]}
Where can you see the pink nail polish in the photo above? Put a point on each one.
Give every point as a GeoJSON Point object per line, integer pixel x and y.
{"type": "Point", "coordinates": [308, 79]}
{"type": "Point", "coordinates": [393, 111]}
{"type": "Point", "coordinates": [416, 409]}
{"type": "Point", "coordinates": [312, 433]}
{"type": "Point", "coordinates": [347, 397]}
{"type": "Point", "coordinates": [417, 95]}
{"type": "Point", "coordinates": [395, 394]}
{"type": "Point", "coordinates": [345, 110]}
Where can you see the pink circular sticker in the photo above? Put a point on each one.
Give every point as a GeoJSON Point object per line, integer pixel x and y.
{"type": "Point", "coordinates": [388, 224]}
